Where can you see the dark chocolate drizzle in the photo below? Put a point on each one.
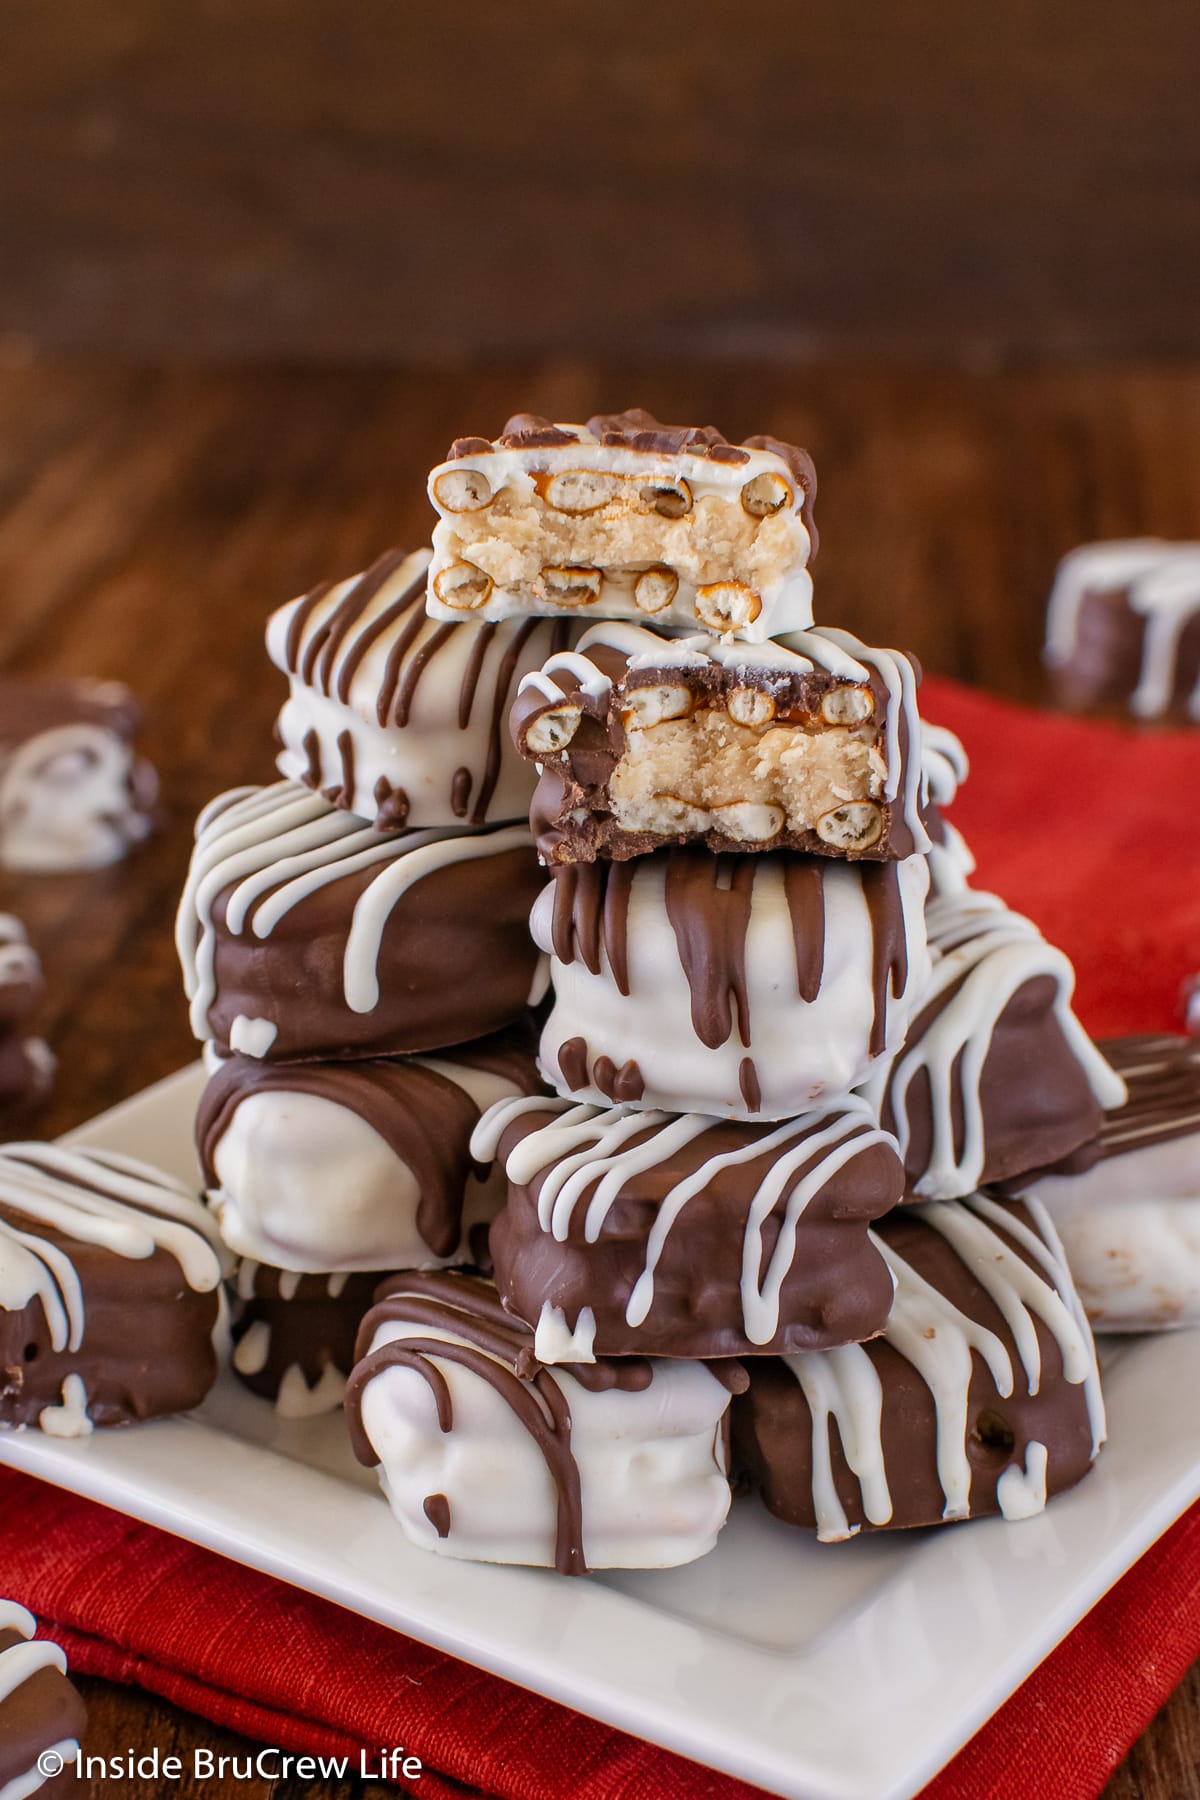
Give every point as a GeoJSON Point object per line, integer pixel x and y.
{"type": "Point", "coordinates": [499, 1350]}
{"type": "Point", "coordinates": [313, 658]}
{"type": "Point", "coordinates": [424, 1117]}
{"type": "Point", "coordinates": [804, 887]}
{"type": "Point", "coordinates": [709, 901]}
{"type": "Point", "coordinates": [392, 806]}
{"type": "Point", "coordinates": [436, 1508]}
{"type": "Point", "coordinates": [889, 965]}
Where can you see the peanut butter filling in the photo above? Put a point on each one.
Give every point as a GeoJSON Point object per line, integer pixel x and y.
{"type": "Point", "coordinates": [704, 771]}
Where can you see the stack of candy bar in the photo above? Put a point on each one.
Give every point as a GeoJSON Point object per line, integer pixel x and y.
{"type": "Point", "coordinates": [26, 1063]}
{"type": "Point", "coordinates": [788, 1044]}
{"type": "Point", "coordinates": [357, 959]}
{"type": "Point", "coordinates": [772, 1198]}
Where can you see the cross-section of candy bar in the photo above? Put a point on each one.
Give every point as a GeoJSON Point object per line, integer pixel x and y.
{"type": "Point", "coordinates": [625, 518]}
{"type": "Point", "coordinates": [812, 743]}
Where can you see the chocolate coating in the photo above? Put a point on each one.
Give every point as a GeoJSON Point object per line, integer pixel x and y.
{"type": "Point", "coordinates": [1123, 629]}
{"type": "Point", "coordinates": [293, 1335]}
{"type": "Point", "coordinates": [357, 1165]}
{"type": "Point", "coordinates": [690, 1236]}
{"type": "Point", "coordinates": [809, 743]}
{"type": "Point", "coordinates": [84, 1240]}
{"type": "Point", "coordinates": [26, 1076]}
{"type": "Point", "coordinates": [39, 1709]}
{"type": "Point", "coordinates": [995, 1075]}
{"type": "Point", "coordinates": [395, 717]}
{"type": "Point", "coordinates": [923, 1411]}
{"type": "Point", "coordinates": [306, 934]}
{"type": "Point", "coordinates": [747, 986]}
{"type": "Point", "coordinates": [517, 1423]}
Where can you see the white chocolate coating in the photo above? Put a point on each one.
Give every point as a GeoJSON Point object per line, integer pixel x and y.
{"type": "Point", "coordinates": [940, 1340]}
{"type": "Point", "coordinates": [73, 794]}
{"type": "Point", "coordinates": [1131, 1226]}
{"type": "Point", "coordinates": [714, 541]}
{"type": "Point", "coordinates": [1163, 584]}
{"type": "Point", "coordinates": [390, 711]}
{"type": "Point", "coordinates": [801, 1050]}
{"type": "Point", "coordinates": [651, 1469]}
{"type": "Point", "coordinates": [306, 1183]}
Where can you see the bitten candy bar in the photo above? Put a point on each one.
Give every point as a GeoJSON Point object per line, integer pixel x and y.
{"type": "Point", "coordinates": [982, 1396]}
{"type": "Point", "coordinates": [996, 1075]}
{"type": "Point", "coordinates": [73, 795]}
{"type": "Point", "coordinates": [625, 518]}
{"type": "Point", "coordinates": [633, 1233]}
{"type": "Point", "coordinates": [1128, 1203]}
{"type": "Point", "coordinates": [305, 934]}
{"type": "Point", "coordinates": [40, 1712]}
{"type": "Point", "coordinates": [745, 986]}
{"type": "Point", "coordinates": [485, 1454]}
{"type": "Point", "coordinates": [89, 1240]}
{"type": "Point", "coordinates": [357, 1165]}
{"type": "Point", "coordinates": [293, 1335]}
{"type": "Point", "coordinates": [1123, 628]}
{"type": "Point", "coordinates": [395, 717]}
{"type": "Point", "coordinates": [812, 743]}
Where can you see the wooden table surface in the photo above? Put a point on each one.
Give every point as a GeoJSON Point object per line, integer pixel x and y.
{"type": "Point", "coordinates": [149, 521]}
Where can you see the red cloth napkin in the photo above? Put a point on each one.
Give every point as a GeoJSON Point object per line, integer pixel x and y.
{"type": "Point", "coordinates": [129, 1603]}
{"type": "Point", "coordinates": [1086, 828]}
{"type": "Point", "coordinates": [1093, 831]}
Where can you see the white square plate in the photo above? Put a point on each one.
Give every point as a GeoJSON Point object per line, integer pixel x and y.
{"type": "Point", "coordinates": [839, 1672]}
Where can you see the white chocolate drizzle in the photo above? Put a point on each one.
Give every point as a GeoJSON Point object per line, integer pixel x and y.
{"type": "Point", "coordinates": [21, 1662]}
{"type": "Point", "coordinates": [939, 1340]}
{"type": "Point", "coordinates": [1162, 584]}
{"type": "Point", "coordinates": [96, 1197]}
{"type": "Point", "coordinates": [588, 1158]}
{"type": "Point", "coordinates": [275, 847]}
{"type": "Point", "coordinates": [982, 955]}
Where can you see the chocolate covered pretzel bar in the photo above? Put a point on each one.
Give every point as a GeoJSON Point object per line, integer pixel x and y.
{"type": "Point", "coordinates": [1123, 628]}
{"type": "Point", "coordinates": [625, 517]}
{"type": "Point", "coordinates": [812, 743]}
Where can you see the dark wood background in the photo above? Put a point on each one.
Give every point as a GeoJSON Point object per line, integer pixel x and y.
{"type": "Point", "coordinates": [309, 179]}
{"type": "Point", "coordinates": [149, 522]}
